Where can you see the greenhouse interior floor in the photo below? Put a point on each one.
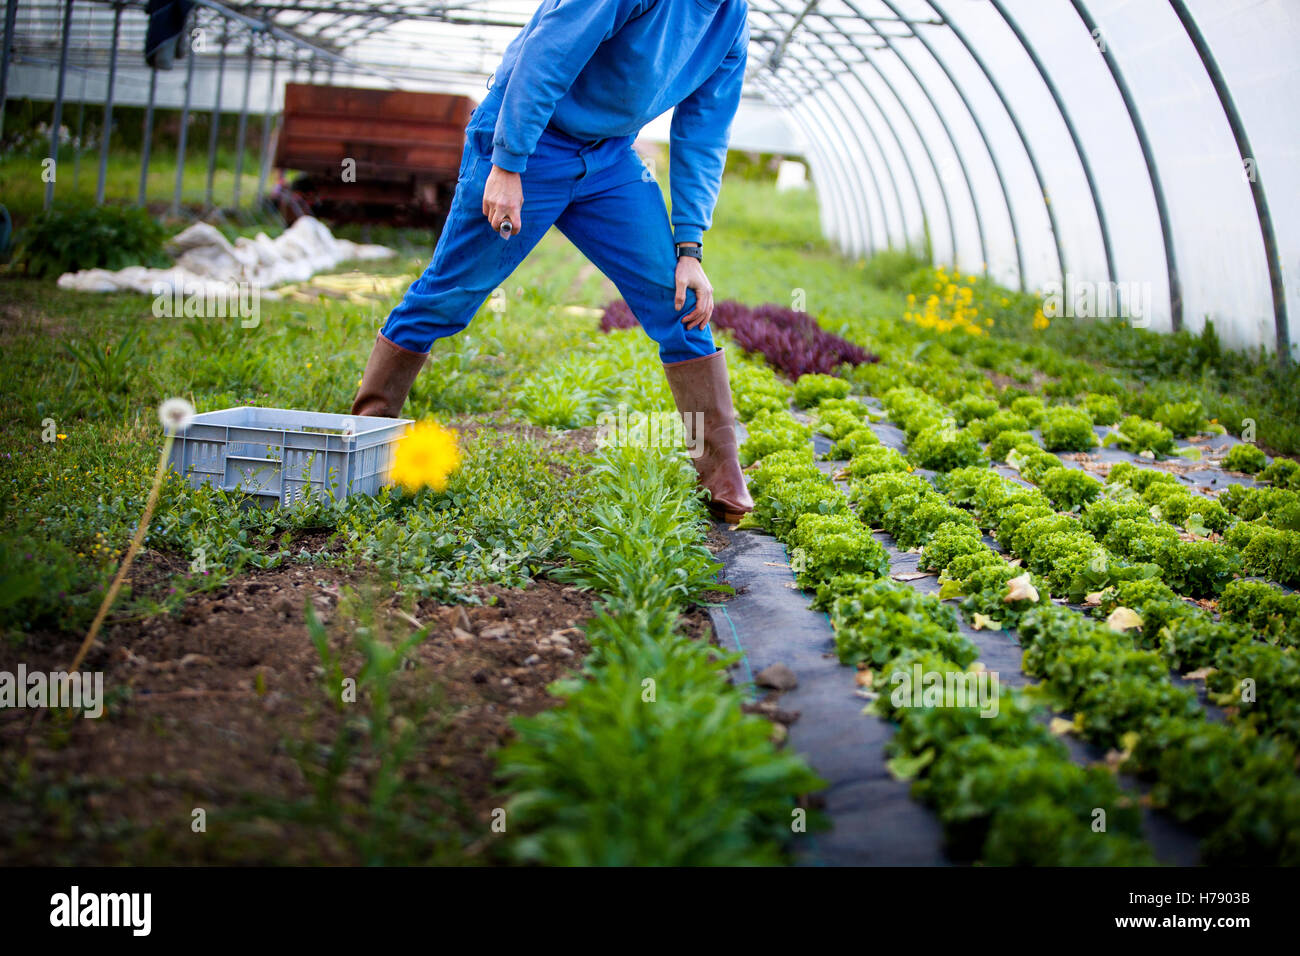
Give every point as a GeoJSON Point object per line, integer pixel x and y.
{"type": "Point", "coordinates": [518, 664]}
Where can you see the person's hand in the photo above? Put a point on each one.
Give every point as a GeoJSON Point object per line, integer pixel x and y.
{"type": "Point", "coordinates": [690, 275]}
{"type": "Point", "coordinates": [503, 198]}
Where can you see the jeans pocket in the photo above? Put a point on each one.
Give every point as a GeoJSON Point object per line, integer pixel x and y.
{"type": "Point", "coordinates": [480, 139]}
{"type": "Point", "coordinates": [467, 159]}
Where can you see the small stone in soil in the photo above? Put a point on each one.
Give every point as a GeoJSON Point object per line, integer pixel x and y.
{"type": "Point", "coordinates": [777, 676]}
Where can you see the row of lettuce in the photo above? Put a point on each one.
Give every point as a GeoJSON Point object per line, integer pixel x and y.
{"type": "Point", "coordinates": [1132, 551]}
{"type": "Point", "coordinates": [960, 321]}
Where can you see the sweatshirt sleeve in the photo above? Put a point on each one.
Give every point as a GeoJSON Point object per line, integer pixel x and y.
{"type": "Point", "coordinates": [698, 143]}
{"type": "Point", "coordinates": [553, 54]}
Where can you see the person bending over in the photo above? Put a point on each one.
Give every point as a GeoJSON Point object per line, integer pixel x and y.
{"type": "Point", "coordinates": [551, 144]}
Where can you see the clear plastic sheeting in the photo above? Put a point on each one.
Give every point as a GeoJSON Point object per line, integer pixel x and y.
{"type": "Point", "coordinates": [1137, 155]}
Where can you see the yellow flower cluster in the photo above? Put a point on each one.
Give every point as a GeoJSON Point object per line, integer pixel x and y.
{"type": "Point", "coordinates": [950, 306]}
{"type": "Point", "coordinates": [1040, 321]}
{"type": "Point", "coordinates": [425, 457]}
{"type": "Point", "coordinates": [101, 549]}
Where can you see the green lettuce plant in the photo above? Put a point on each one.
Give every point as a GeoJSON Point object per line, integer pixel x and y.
{"type": "Point", "coordinates": [1067, 429]}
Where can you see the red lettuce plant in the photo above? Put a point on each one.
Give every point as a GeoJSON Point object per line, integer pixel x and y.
{"type": "Point", "coordinates": [789, 340]}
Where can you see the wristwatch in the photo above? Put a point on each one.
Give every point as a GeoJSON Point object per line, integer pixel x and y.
{"type": "Point", "coordinates": [691, 249]}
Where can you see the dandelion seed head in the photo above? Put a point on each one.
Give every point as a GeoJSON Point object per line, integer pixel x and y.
{"type": "Point", "coordinates": [175, 415]}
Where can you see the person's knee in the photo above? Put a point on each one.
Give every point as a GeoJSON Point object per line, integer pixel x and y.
{"type": "Point", "coordinates": [425, 316]}
{"type": "Point", "coordinates": [661, 320]}
{"type": "Point", "coordinates": [680, 344]}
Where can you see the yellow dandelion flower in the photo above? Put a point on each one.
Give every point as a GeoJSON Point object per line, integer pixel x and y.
{"type": "Point", "coordinates": [425, 457]}
{"type": "Point", "coordinates": [61, 436]}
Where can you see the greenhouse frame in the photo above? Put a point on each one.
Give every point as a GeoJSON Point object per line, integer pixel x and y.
{"type": "Point", "coordinates": [1046, 144]}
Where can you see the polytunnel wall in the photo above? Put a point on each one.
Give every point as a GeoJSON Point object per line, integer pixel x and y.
{"type": "Point", "coordinates": [1138, 156]}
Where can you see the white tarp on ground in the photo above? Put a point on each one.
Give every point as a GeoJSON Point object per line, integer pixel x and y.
{"type": "Point", "coordinates": [205, 259]}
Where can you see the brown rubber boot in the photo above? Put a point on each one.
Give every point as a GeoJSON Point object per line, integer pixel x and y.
{"type": "Point", "coordinates": [387, 380]}
{"type": "Point", "coordinates": [703, 396]}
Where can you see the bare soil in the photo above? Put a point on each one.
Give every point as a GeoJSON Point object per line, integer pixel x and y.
{"type": "Point", "coordinates": [207, 707]}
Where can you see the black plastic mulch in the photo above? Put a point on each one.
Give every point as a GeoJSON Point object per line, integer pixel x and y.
{"type": "Point", "coordinates": [873, 819]}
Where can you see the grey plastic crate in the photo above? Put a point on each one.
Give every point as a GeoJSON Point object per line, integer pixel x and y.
{"type": "Point", "coordinates": [282, 456]}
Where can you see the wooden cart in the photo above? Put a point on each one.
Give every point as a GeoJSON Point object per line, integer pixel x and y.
{"type": "Point", "coordinates": [363, 155]}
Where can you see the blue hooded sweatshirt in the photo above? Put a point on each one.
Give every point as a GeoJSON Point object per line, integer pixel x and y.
{"type": "Point", "coordinates": [595, 69]}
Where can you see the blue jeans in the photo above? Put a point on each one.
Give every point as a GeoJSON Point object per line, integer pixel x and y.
{"type": "Point", "coordinates": [596, 194]}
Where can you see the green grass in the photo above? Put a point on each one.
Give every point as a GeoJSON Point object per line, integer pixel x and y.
{"type": "Point", "coordinates": [23, 188]}
{"type": "Point", "coordinates": [96, 367]}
